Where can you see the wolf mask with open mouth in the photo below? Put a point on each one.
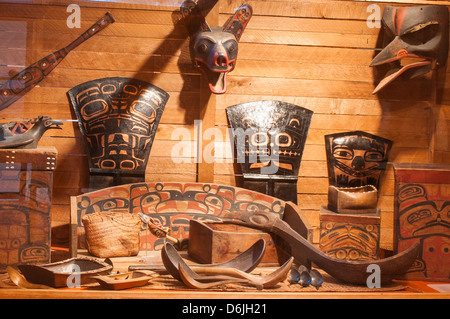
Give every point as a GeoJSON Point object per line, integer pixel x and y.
{"type": "Point", "coordinates": [214, 49]}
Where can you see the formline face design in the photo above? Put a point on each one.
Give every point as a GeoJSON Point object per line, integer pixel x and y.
{"type": "Point", "coordinates": [118, 118]}
{"type": "Point", "coordinates": [356, 158]}
{"type": "Point", "coordinates": [419, 38]}
{"type": "Point", "coordinates": [24, 217]}
{"type": "Point", "coordinates": [422, 215]}
{"type": "Point", "coordinates": [270, 137]}
{"type": "Point", "coordinates": [173, 205]}
{"type": "Point", "coordinates": [214, 49]}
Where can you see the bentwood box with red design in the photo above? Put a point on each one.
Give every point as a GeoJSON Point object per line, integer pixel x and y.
{"type": "Point", "coordinates": [26, 179]}
{"type": "Point", "coordinates": [422, 215]}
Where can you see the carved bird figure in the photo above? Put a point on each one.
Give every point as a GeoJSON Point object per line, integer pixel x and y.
{"type": "Point", "coordinates": [316, 278]}
{"type": "Point", "coordinates": [26, 134]}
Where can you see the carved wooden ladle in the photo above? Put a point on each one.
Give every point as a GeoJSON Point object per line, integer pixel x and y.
{"type": "Point", "coordinates": [246, 261]}
{"type": "Point", "coordinates": [16, 277]}
{"type": "Point", "coordinates": [174, 262]}
{"type": "Point", "coordinates": [265, 281]}
{"type": "Point", "coordinates": [356, 272]}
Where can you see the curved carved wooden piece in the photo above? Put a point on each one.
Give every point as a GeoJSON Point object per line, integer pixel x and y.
{"type": "Point", "coordinates": [270, 137]}
{"type": "Point", "coordinates": [118, 118]}
{"type": "Point", "coordinates": [355, 272]}
{"type": "Point", "coordinates": [26, 134]}
{"type": "Point", "coordinates": [173, 261]}
{"type": "Point", "coordinates": [21, 83]}
{"type": "Point", "coordinates": [356, 158]}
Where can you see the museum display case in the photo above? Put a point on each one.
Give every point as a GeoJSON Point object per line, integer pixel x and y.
{"type": "Point", "coordinates": [217, 149]}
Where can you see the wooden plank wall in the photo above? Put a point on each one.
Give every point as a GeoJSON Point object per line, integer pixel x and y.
{"type": "Point", "coordinates": [314, 53]}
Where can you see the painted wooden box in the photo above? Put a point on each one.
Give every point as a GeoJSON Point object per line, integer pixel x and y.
{"type": "Point", "coordinates": [350, 236]}
{"type": "Point", "coordinates": [26, 178]}
{"type": "Point", "coordinates": [422, 215]}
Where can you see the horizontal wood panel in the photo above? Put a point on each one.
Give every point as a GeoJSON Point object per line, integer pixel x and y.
{"type": "Point", "coordinates": [314, 54]}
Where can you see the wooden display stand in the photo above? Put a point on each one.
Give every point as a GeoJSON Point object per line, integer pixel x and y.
{"type": "Point", "coordinates": [26, 178]}
{"type": "Point", "coordinates": [350, 237]}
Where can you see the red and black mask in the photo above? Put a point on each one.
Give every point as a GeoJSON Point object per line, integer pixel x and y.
{"type": "Point", "coordinates": [214, 49]}
{"type": "Point", "coordinates": [419, 40]}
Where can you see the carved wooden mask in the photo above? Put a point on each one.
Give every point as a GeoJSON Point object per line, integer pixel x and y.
{"type": "Point", "coordinates": [419, 34]}
{"type": "Point", "coordinates": [214, 49]}
{"type": "Point", "coordinates": [118, 118]}
{"type": "Point", "coordinates": [270, 137]}
{"type": "Point", "coordinates": [356, 158]}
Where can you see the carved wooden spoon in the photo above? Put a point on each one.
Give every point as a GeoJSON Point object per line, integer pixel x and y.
{"type": "Point", "coordinates": [172, 260]}
{"type": "Point", "coordinates": [265, 281]}
{"type": "Point", "coordinates": [17, 278]}
{"type": "Point", "coordinates": [192, 283]}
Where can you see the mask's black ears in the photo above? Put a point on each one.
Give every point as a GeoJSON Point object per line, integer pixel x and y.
{"type": "Point", "coordinates": [193, 18]}
{"type": "Point", "coordinates": [239, 21]}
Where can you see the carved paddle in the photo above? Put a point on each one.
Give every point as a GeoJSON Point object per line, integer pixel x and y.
{"type": "Point", "coordinates": [21, 83]}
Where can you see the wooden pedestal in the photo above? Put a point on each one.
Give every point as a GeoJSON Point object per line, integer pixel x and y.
{"type": "Point", "coordinates": [422, 206]}
{"type": "Point", "coordinates": [26, 178]}
{"type": "Point", "coordinates": [350, 237]}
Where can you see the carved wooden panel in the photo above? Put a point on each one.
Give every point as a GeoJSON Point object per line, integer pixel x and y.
{"type": "Point", "coordinates": [118, 118]}
{"type": "Point", "coordinates": [172, 205]}
{"type": "Point", "coordinates": [356, 158]}
{"type": "Point", "coordinates": [422, 215]}
{"type": "Point", "coordinates": [270, 137]}
{"type": "Point", "coordinates": [26, 178]}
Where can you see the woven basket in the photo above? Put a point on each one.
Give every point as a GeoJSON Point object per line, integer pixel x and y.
{"type": "Point", "coordinates": [110, 234]}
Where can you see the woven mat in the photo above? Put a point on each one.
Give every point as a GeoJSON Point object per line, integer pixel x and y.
{"type": "Point", "coordinates": [167, 282]}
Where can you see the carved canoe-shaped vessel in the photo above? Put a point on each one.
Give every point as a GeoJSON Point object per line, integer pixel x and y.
{"type": "Point", "coordinates": [355, 272]}
{"type": "Point", "coordinates": [57, 274]}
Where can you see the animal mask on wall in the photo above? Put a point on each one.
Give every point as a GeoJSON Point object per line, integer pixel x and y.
{"type": "Point", "coordinates": [214, 49]}
{"type": "Point", "coordinates": [356, 158]}
{"type": "Point", "coordinates": [118, 118]}
{"type": "Point", "coordinates": [418, 33]}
